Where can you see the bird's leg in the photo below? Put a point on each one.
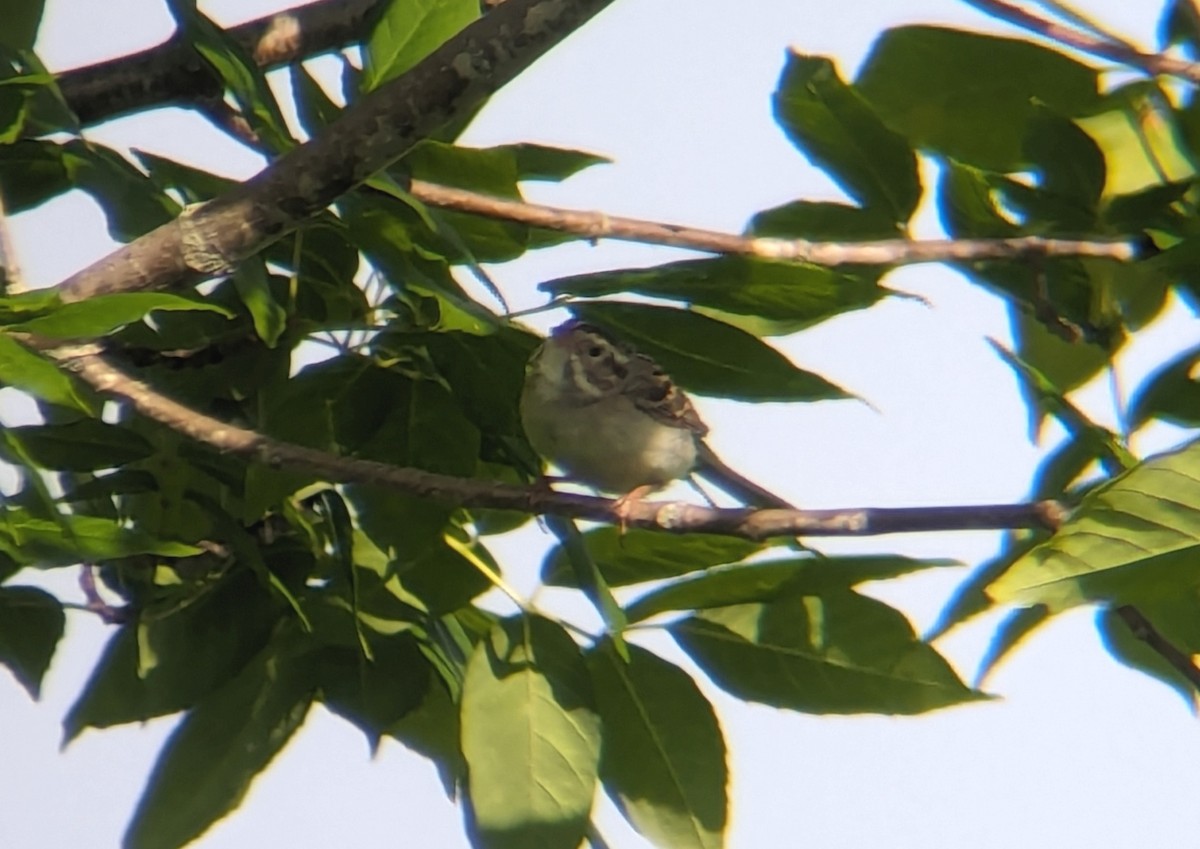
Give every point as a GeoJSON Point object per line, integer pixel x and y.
{"type": "Point", "coordinates": [623, 505]}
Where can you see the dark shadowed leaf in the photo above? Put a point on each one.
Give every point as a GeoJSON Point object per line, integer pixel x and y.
{"type": "Point", "coordinates": [1176, 619]}
{"type": "Point", "coordinates": [31, 624]}
{"type": "Point", "coordinates": [802, 294]}
{"type": "Point", "coordinates": [168, 660]}
{"type": "Point", "coordinates": [639, 556]}
{"type": "Point", "coordinates": [80, 446]}
{"type": "Point", "coordinates": [840, 132]}
{"type": "Point", "coordinates": [210, 759]}
{"type": "Point", "coordinates": [531, 738]}
{"type": "Point", "coordinates": [663, 758]}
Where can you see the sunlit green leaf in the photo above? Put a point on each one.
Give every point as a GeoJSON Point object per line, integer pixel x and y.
{"type": "Point", "coordinates": [1135, 536]}
{"type": "Point", "coordinates": [967, 95]}
{"type": "Point", "coordinates": [409, 30]}
{"type": "Point", "coordinates": [663, 759]}
{"type": "Point", "coordinates": [531, 737]}
{"type": "Point", "coordinates": [837, 652]}
{"type": "Point", "coordinates": [102, 314]}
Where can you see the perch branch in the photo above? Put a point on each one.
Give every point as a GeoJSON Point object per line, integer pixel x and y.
{"type": "Point", "coordinates": [676, 517]}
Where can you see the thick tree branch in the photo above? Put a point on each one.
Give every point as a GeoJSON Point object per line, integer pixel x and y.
{"type": "Point", "coordinates": [674, 517]}
{"type": "Point", "coordinates": [1154, 64]}
{"type": "Point", "coordinates": [598, 225]}
{"type": "Point", "coordinates": [173, 73]}
{"type": "Point", "coordinates": [212, 238]}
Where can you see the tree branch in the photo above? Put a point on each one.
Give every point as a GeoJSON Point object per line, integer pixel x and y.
{"type": "Point", "coordinates": [672, 516]}
{"type": "Point", "coordinates": [1153, 64]}
{"type": "Point", "coordinates": [598, 225]}
{"type": "Point", "coordinates": [1144, 630]}
{"type": "Point", "coordinates": [212, 238]}
{"type": "Point", "coordinates": [172, 72]}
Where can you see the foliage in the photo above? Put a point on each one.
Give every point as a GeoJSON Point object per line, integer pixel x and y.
{"type": "Point", "coordinates": [251, 591]}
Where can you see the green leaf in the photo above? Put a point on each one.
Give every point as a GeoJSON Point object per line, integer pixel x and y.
{"type": "Point", "coordinates": [407, 32]}
{"type": "Point", "coordinates": [254, 287]}
{"type": "Point", "coordinates": [1050, 399]}
{"type": "Point", "coordinates": [132, 203]}
{"type": "Point", "coordinates": [706, 356]}
{"type": "Point", "coordinates": [81, 446]}
{"type": "Point", "coordinates": [639, 556]}
{"type": "Point", "coordinates": [970, 96]}
{"type": "Point", "coordinates": [377, 693]}
{"type": "Point", "coordinates": [31, 172]}
{"type": "Point", "coordinates": [25, 370]}
{"type": "Point", "coordinates": [550, 164]}
{"type": "Point", "coordinates": [1171, 393]}
{"type": "Point", "coordinates": [75, 538]}
{"type": "Point", "coordinates": [663, 759]}
{"type": "Point", "coordinates": [316, 109]}
{"type": "Point", "coordinates": [237, 71]}
{"type": "Point", "coordinates": [838, 652]}
{"type": "Point", "coordinates": [840, 132]}
{"type": "Point", "coordinates": [970, 597]}
{"type": "Point", "coordinates": [802, 294]}
{"type": "Point", "coordinates": [589, 579]}
{"type": "Point", "coordinates": [176, 654]}
{"type": "Point", "coordinates": [31, 624]}
{"type": "Point", "coordinates": [720, 586]}
{"type": "Point", "coordinates": [531, 738]}
{"type": "Point", "coordinates": [210, 759]}
{"type": "Point", "coordinates": [1176, 619]}
{"type": "Point", "coordinates": [103, 314]}
{"type": "Point", "coordinates": [1018, 625]}
{"type": "Point", "coordinates": [432, 729]}
{"type": "Point", "coordinates": [1131, 538]}
{"type": "Point", "coordinates": [21, 20]}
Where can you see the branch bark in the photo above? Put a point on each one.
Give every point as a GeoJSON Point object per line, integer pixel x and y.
{"type": "Point", "coordinates": [599, 225]}
{"type": "Point", "coordinates": [172, 73]}
{"type": "Point", "coordinates": [210, 239]}
{"type": "Point", "coordinates": [1154, 64]}
{"type": "Point", "coordinates": [670, 516]}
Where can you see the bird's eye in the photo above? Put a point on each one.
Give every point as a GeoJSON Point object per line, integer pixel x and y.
{"type": "Point", "coordinates": [595, 351]}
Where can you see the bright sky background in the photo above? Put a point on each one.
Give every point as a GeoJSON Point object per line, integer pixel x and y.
{"type": "Point", "coordinates": [1079, 751]}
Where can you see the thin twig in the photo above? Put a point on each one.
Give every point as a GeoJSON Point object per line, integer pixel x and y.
{"type": "Point", "coordinates": [1145, 631]}
{"type": "Point", "coordinates": [1154, 64]}
{"type": "Point", "coordinates": [599, 225]}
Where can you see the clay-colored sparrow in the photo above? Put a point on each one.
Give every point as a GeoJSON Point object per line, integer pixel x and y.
{"type": "Point", "coordinates": [611, 418]}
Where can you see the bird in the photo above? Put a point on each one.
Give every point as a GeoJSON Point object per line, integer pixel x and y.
{"type": "Point", "coordinates": [611, 418]}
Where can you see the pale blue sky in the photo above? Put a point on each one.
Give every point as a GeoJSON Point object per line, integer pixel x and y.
{"type": "Point", "coordinates": [1079, 752]}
